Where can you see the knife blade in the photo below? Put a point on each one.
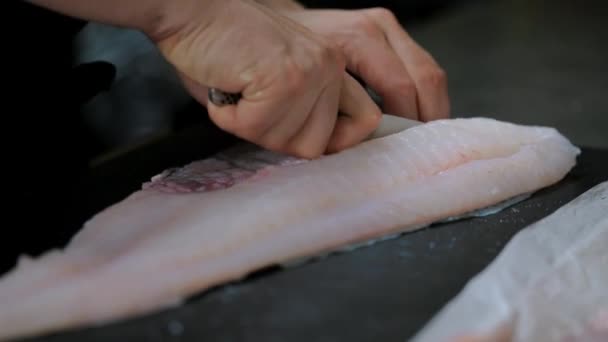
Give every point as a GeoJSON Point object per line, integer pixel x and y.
{"type": "Point", "coordinates": [391, 124]}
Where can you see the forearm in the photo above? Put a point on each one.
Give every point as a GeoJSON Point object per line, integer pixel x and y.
{"type": "Point", "coordinates": [150, 16]}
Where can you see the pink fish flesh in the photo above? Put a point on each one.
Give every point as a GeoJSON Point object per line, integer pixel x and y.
{"type": "Point", "coordinates": [219, 219]}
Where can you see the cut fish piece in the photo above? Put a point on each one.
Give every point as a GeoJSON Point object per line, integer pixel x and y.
{"type": "Point", "coordinates": [548, 284]}
{"type": "Point", "coordinates": [217, 220]}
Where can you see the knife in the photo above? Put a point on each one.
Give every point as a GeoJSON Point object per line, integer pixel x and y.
{"type": "Point", "coordinates": [389, 124]}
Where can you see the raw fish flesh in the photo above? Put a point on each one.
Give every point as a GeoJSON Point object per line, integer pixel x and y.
{"type": "Point", "coordinates": [217, 220]}
{"type": "Point", "coordinates": [550, 283]}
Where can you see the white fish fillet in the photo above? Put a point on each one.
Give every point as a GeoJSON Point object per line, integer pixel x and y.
{"type": "Point", "coordinates": [216, 221]}
{"type": "Point", "coordinates": [550, 283]}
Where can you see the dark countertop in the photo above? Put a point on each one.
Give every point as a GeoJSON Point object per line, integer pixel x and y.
{"type": "Point", "coordinates": [526, 61]}
{"type": "Point", "coordinates": [533, 62]}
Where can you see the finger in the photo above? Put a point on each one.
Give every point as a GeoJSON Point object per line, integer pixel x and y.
{"type": "Point", "coordinates": [360, 116]}
{"type": "Point", "coordinates": [249, 119]}
{"type": "Point", "coordinates": [429, 78]}
{"type": "Point", "coordinates": [225, 117]}
{"type": "Point", "coordinates": [311, 141]}
{"type": "Point", "coordinates": [431, 82]}
{"type": "Point", "coordinates": [375, 61]}
{"type": "Point", "coordinates": [196, 90]}
{"type": "Point", "coordinates": [290, 121]}
{"type": "Point", "coordinates": [433, 95]}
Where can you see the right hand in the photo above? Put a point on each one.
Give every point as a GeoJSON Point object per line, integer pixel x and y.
{"type": "Point", "coordinates": [293, 82]}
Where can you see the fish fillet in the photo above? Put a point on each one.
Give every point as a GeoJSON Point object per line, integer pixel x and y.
{"type": "Point", "coordinates": [219, 219]}
{"type": "Point", "coordinates": [548, 284]}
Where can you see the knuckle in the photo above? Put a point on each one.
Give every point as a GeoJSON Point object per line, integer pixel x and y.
{"type": "Point", "coordinates": [318, 50]}
{"type": "Point", "coordinates": [338, 68]}
{"type": "Point", "coordinates": [330, 51]}
{"type": "Point", "coordinates": [434, 77]}
{"type": "Point", "coordinates": [404, 86]}
{"type": "Point", "coordinates": [333, 48]}
{"type": "Point", "coordinates": [366, 24]}
{"type": "Point", "coordinates": [371, 122]}
{"type": "Point", "coordinates": [324, 53]}
{"type": "Point", "coordinates": [383, 14]}
{"type": "Point", "coordinates": [339, 56]}
{"type": "Point", "coordinates": [329, 59]}
{"type": "Point", "coordinates": [292, 76]}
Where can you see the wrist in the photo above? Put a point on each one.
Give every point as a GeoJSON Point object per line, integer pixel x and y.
{"type": "Point", "coordinates": [153, 17]}
{"type": "Point", "coordinates": [178, 15]}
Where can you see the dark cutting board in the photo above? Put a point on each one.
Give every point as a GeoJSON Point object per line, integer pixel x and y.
{"type": "Point", "coordinates": [386, 292]}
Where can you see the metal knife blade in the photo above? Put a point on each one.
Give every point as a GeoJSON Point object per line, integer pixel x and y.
{"type": "Point", "coordinates": [391, 124]}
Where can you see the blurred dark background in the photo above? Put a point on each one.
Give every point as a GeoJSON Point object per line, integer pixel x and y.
{"type": "Point", "coordinates": [82, 95]}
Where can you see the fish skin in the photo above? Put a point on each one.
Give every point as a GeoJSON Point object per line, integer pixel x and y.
{"type": "Point", "coordinates": [199, 239]}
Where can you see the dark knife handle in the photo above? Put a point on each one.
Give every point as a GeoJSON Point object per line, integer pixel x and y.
{"type": "Point", "coordinates": [222, 98]}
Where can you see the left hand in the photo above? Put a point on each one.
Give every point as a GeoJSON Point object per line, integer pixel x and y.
{"type": "Point", "coordinates": [381, 52]}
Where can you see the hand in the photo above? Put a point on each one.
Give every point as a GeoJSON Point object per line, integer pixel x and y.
{"type": "Point", "coordinates": [293, 82]}
{"type": "Point", "coordinates": [380, 51]}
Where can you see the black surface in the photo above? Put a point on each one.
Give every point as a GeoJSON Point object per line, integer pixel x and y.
{"type": "Point", "coordinates": [526, 61]}
{"type": "Point", "coordinates": [533, 62]}
{"type": "Point", "coordinates": [385, 292]}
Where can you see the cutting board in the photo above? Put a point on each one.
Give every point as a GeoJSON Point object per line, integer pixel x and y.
{"type": "Point", "coordinates": [383, 292]}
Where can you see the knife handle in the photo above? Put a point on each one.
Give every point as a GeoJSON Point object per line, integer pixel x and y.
{"type": "Point", "coordinates": [388, 125]}
{"type": "Point", "coordinates": [221, 98]}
